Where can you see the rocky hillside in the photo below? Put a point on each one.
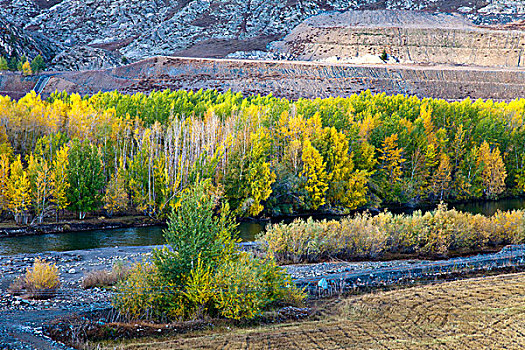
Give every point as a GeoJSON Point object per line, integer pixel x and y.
{"type": "Point", "coordinates": [104, 33]}
{"type": "Point", "coordinates": [406, 36]}
{"type": "Point", "coordinates": [294, 79]}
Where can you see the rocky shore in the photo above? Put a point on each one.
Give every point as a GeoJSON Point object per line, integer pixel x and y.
{"type": "Point", "coordinates": [21, 324]}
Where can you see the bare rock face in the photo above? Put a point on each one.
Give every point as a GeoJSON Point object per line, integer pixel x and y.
{"type": "Point", "coordinates": [138, 29]}
{"type": "Point", "coordinates": [15, 42]}
{"type": "Point", "coordinates": [85, 58]}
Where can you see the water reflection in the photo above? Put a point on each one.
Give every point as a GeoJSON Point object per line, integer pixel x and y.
{"type": "Point", "coordinates": [153, 235]}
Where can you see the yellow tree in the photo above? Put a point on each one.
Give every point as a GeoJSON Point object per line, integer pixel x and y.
{"type": "Point", "coordinates": [59, 182]}
{"type": "Point", "coordinates": [314, 171]}
{"type": "Point", "coordinates": [494, 173]}
{"type": "Point", "coordinates": [4, 181]}
{"type": "Point", "coordinates": [19, 191]}
{"type": "Point", "coordinates": [116, 198]}
{"type": "Point", "coordinates": [392, 159]}
{"type": "Point", "coordinates": [26, 68]}
{"type": "Point", "coordinates": [260, 177]}
{"type": "Point", "coordinates": [345, 186]}
{"type": "Point", "coordinates": [441, 177]}
{"type": "Point", "coordinates": [41, 179]}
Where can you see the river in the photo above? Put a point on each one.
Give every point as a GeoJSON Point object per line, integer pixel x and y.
{"type": "Point", "coordinates": [143, 236]}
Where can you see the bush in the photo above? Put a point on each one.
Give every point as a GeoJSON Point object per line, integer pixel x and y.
{"type": "Point", "coordinates": [41, 281]}
{"type": "Point", "coordinates": [195, 231]}
{"type": "Point", "coordinates": [202, 273]}
{"type": "Point", "coordinates": [143, 295]}
{"type": "Point", "coordinates": [434, 233]}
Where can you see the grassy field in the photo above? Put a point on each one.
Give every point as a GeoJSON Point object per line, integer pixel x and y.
{"type": "Point", "coordinates": [484, 313]}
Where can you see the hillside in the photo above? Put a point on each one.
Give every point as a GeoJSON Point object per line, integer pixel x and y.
{"type": "Point", "coordinates": [110, 32]}
{"type": "Point", "coordinates": [295, 79]}
{"type": "Point", "coordinates": [407, 36]}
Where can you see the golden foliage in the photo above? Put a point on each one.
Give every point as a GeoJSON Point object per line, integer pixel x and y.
{"type": "Point", "coordinates": [42, 279]}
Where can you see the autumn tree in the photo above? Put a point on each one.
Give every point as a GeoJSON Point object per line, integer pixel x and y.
{"type": "Point", "coordinates": [494, 173]}
{"type": "Point", "coordinates": [314, 173]}
{"type": "Point", "coordinates": [441, 178]}
{"type": "Point", "coordinates": [85, 177]}
{"type": "Point", "coordinates": [4, 181]}
{"type": "Point", "coordinates": [41, 179]}
{"type": "Point", "coordinates": [116, 198]}
{"type": "Point", "coordinates": [346, 186]}
{"type": "Point", "coordinates": [391, 159]}
{"type": "Point", "coordinates": [259, 176]}
{"type": "Point", "coordinates": [19, 192]}
{"type": "Point", "coordinates": [59, 180]}
{"type": "Point", "coordinates": [26, 68]}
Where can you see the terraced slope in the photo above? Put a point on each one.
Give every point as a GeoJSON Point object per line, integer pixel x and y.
{"type": "Point", "coordinates": [295, 79]}
{"type": "Point", "coordinates": [408, 36]}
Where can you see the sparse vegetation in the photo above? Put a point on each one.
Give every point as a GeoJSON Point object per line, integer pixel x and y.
{"type": "Point", "coordinates": [384, 56]}
{"type": "Point", "coordinates": [41, 281]}
{"type": "Point", "coordinates": [23, 64]}
{"type": "Point", "coordinates": [105, 278]}
{"type": "Point", "coordinates": [364, 236]}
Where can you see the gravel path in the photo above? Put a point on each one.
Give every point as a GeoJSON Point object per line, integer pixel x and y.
{"type": "Point", "coordinates": [21, 320]}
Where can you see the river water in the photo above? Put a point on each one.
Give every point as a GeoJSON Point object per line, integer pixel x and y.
{"type": "Point", "coordinates": [142, 236]}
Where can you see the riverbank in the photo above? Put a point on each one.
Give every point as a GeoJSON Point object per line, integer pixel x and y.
{"type": "Point", "coordinates": [10, 229]}
{"type": "Point", "coordinates": [23, 320]}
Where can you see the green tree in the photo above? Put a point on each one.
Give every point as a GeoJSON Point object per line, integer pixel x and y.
{"type": "Point", "coordinates": [197, 229]}
{"type": "Point", "coordinates": [3, 64]}
{"type": "Point", "coordinates": [38, 64]}
{"type": "Point", "coordinates": [85, 178]}
{"type": "Point", "coordinates": [13, 63]}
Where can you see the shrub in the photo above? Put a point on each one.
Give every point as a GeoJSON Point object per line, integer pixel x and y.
{"type": "Point", "coordinates": [42, 280]}
{"type": "Point", "coordinates": [202, 273]}
{"type": "Point", "coordinates": [240, 292]}
{"type": "Point", "coordinates": [364, 236]}
{"type": "Point", "coordinates": [195, 232]}
{"type": "Point", "coordinates": [143, 294]}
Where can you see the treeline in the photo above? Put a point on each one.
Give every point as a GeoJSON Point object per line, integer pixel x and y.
{"type": "Point", "coordinates": [264, 155]}
{"type": "Point", "coordinates": [23, 64]}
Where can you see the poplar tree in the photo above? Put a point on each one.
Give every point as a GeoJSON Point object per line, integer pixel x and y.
{"type": "Point", "coordinates": [314, 172]}
{"type": "Point", "coordinates": [60, 184]}
{"type": "Point", "coordinates": [494, 173]}
{"type": "Point", "coordinates": [85, 178]}
{"type": "Point", "coordinates": [19, 191]}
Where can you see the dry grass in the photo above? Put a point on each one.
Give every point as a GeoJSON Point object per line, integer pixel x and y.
{"type": "Point", "coordinates": [105, 278]}
{"type": "Point", "coordinates": [485, 313]}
